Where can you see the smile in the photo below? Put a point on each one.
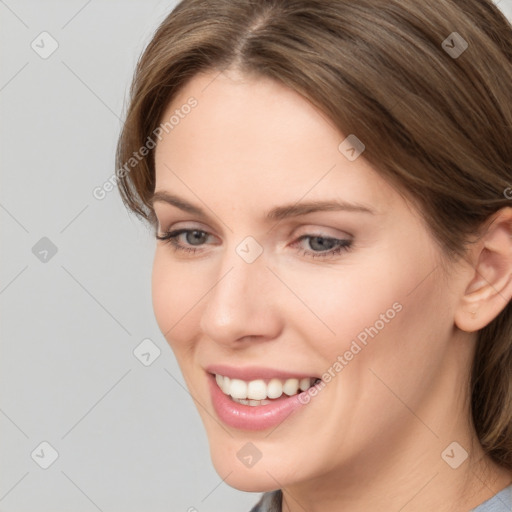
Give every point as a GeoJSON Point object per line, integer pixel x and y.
{"type": "Point", "coordinates": [257, 398]}
{"type": "Point", "coordinates": [261, 391]}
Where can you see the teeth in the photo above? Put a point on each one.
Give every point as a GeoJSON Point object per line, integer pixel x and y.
{"type": "Point", "coordinates": [291, 386]}
{"type": "Point", "coordinates": [256, 392]}
{"type": "Point", "coordinates": [238, 388]}
{"type": "Point", "coordinates": [225, 385]}
{"type": "Point", "coordinates": [252, 403]}
{"type": "Point", "coordinates": [305, 384]}
{"type": "Point", "coordinates": [274, 388]}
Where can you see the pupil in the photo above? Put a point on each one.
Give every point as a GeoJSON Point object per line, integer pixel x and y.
{"type": "Point", "coordinates": [195, 236]}
{"type": "Point", "coordinates": [321, 243]}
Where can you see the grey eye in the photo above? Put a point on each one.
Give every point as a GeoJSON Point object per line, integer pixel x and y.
{"type": "Point", "coordinates": [318, 243]}
{"type": "Point", "coordinates": [196, 237]}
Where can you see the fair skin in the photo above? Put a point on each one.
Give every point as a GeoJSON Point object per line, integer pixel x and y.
{"type": "Point", "coordinates": [372, 438]}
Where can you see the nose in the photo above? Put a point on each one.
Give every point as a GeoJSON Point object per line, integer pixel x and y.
{"type": "Point", "coordinates": [242, 303]}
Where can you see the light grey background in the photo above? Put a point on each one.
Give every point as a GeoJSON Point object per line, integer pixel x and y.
{"type": "Point", "coordinates": [128, 436]}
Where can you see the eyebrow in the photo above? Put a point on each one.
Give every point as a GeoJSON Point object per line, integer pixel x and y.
{"type": "Point", "coordinates": [275, 214]}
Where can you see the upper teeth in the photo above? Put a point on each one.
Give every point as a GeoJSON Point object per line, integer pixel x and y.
{"type": "Point", "coordinates": [259, 389]}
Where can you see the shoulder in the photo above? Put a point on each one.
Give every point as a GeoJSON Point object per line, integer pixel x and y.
{"type": "Point", "coordinates": [500, 502]}
{"type": "Point", "coordinates": [269, 502]}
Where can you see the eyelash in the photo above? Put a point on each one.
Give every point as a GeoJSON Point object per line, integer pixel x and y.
{"type": "Point", "coordinates": [342, 245]}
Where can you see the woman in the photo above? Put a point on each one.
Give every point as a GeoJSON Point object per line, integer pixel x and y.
{"type": "Point", "coordinates": [329, 183]}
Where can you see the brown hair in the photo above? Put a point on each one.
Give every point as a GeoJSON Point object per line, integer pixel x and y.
{"type": "Point", "coordinates": [437, 125]}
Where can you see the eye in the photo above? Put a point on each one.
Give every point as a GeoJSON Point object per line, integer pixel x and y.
{"type": "Point", "coordinates": [324, 247]}
{"type": "Point", "coordinates": [194, 237]}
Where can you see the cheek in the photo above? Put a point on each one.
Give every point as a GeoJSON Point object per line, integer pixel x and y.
{"type": "Point", "coordinates": [344, 302]}
{"type": "Point", "coordinates": [394, 328]}
{"type": "Point", "coordinates": [175, 293]}
{"type": "Point", "coordinates": [376, 309]}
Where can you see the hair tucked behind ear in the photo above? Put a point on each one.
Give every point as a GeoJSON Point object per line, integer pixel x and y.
{"type": "Point", "coordinates": [436, 125]}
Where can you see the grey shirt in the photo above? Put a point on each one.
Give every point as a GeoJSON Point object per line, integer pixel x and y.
{"type": "Point", "coordinates": [500, 502]}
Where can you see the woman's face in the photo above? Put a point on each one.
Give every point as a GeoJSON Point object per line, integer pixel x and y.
{"type": "Point", "coordinates": [274, 287]}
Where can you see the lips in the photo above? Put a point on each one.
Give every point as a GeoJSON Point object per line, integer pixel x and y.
{"type": "Point", "coordinates": [256, 398]}
{"type": "Point", "coordinates": [249, 373]}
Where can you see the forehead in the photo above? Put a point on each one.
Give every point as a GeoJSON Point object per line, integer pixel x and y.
{"type": "Point", "coordinates": [247, 114]}
{"type": "Point", "coordinates": [249, 138]}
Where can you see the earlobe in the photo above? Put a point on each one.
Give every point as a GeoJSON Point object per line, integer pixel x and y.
{"type": "Point", "coordinates": [490, 287]}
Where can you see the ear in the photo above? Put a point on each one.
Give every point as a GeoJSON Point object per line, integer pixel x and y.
{"type": "Point", "coordinates": [489, 288]}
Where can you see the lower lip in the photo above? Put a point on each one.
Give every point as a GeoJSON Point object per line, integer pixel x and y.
{"type": "Point", "coordinates": [247, 417]}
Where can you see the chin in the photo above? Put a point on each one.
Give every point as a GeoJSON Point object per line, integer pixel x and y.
{"type": "Point", "coordinates": [232, 462]}
{"type": "Point", "coordinates": [255, 479]}
{"type": "Point", "coordinates": [250, 483]}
